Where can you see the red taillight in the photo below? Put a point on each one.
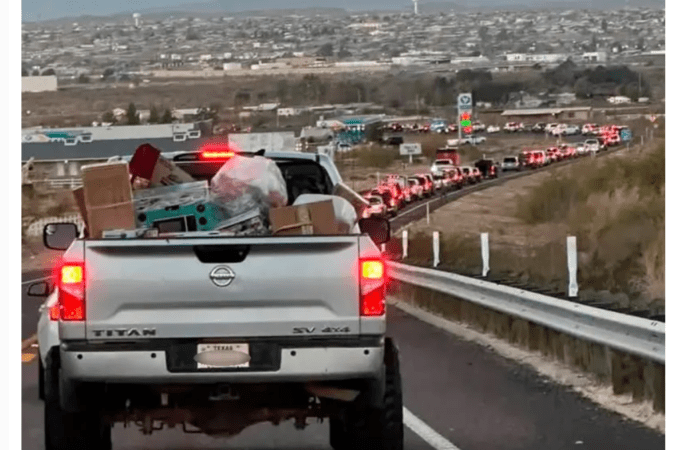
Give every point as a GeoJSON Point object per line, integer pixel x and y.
{"type": "Point", "coordinates": [217, 155]}
{"type": "Point", "coordinates": [71, 292]}
{"type": "Point", "coordinates": [372, 285]}
{"type": "Point", "coordinates": [55, 312]}
{"type": "Point", "coordinates": [218, 150]}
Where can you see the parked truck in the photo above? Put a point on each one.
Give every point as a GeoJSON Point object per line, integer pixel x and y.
{"type": "Point", "coordinates": [449, 153]}
{"type": "Point", "coordinates": [215, 333]}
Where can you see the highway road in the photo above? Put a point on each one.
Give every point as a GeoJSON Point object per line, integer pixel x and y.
{"type": "Point", "coordinates": [458, 396]}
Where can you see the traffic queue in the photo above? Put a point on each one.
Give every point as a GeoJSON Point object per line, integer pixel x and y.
{"type": "Point", "coordinates": [446, 174]}
{"type": "Point", "coordinates": [394, 192]}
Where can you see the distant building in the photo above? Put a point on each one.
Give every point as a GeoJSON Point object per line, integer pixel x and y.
{"type": "Point", "coordinates": [618, 99]}
{"type": "Point", "coordinates": [47, 83]}
{"type": "Point", "coordinates": [232, 66]}
{"type": "Point", "coordinates": [582, 113]}
{"type": "Point", "coordinates": [359, 128]}
{"type": "Point", "coordinates": [298, 61]}
{"type": "Point", "coordinates": [287, 112]}
{"type": "Point", "coordinates": [565, 98]}
{"type": "Point", "coordinates": [267, 107]}
{"type": "Point", "coordinates": [598, 57]}
{"type": "Point", "coordinates": [470, 60]}
{"type": "Point", "coordinates": [535, 58]}
{"type": "Point", "coordinates": [356, 63]}
{"type": "Point", "coordinates": [317, 135]}
{"type": "Point", "coordinates": [264, 66]}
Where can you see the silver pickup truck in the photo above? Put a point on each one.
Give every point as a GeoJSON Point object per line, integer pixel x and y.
{"type": "Point", "coordinates": [215, 334]}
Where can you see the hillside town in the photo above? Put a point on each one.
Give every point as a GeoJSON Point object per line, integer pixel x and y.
{"type": "Point", "coordinates": [123, 47]}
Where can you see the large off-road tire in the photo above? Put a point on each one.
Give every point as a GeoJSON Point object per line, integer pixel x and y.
{"type": "Point", "coordinates": [68, 430]}
{"type": "Point", "coordinates": [41, 380]}
{"type": "Point", "coordinates": [337, 433]}
{"type": "Point", "coordinates": [375, 428]}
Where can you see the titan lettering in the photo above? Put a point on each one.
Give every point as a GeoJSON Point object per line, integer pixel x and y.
{"type": "Point", "coordinates": [125, 332]}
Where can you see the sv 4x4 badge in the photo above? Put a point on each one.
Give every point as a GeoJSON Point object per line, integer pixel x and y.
{"type": "Point", "coordinates": [310, 330]}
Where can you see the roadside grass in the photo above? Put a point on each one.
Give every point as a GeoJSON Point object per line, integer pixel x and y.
{"type": "Point", "coordinates": [616, 210]}
{"type": "Point", "coordinates": [615, 207]}
{"type": "Point", "coordinates": [375, 156]}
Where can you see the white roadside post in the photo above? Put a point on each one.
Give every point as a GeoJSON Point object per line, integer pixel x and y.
{"type": "Point", "coordinates": [427, 213]}
{"type": "Point", "coordinates": [572, 265]}
{"type": "Point", "coordinates": [404, 244]}
{"type": "Point", "coordinates": [485, 254]}
{"type": "Point", "coordinates": [436, 248]}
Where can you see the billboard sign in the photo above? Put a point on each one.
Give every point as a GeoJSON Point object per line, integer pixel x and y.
{"type": "Point", "coordinates": [410, 149]}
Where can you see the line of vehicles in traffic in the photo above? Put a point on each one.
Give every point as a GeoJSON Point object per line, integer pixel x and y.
{"type": "Point", "coordinates": [441, 126]}
{"type": "Point", "coordinates": [535, 158]}
{"type": "Point", "coordinates": [446, 174]}
{"type": "Point", "coordinates": [395, 191]}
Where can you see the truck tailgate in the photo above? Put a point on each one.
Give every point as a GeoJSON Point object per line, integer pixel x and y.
{"type": "Point", "coordinates": [161, 288]}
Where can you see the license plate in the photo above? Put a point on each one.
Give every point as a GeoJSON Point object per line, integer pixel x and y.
{"type": "Point", "coordinates": [240, 348]}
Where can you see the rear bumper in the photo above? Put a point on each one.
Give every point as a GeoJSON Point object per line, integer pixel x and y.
{"type": "Point", "coordinates": [168, 362]}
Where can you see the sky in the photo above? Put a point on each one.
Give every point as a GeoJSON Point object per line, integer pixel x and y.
{"type": "Point", "coordinates": [36, 10]}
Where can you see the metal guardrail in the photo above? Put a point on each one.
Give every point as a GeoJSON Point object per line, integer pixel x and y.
{"type": "Point", "coordinates": [634, 335]}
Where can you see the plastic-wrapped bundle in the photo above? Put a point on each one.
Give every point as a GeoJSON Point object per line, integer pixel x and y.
{"type": "Point", "coordinates": [244, 183]}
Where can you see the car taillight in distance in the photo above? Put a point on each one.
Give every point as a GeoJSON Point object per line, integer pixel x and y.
{"type": "Point", "coordinates": [71, 301]}
{"type": "Point", "coordinates": [372, 287]}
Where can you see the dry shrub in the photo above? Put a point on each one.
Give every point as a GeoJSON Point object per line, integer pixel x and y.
{"type": "Point", "coordinates": [653, 283]}
{"type": "Point", "coordinates": [469, 154]}
{"type": "Point", "coordinates": [432, 142]}
{"type": "Point", "coordinates": [375, 156]}
{"type": "Point", "coordinates": [616, 209]}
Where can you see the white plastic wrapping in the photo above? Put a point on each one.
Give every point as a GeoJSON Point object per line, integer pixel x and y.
{"type": "Point", "coordinates": [345, 214]}
{"type": "Point", "coordinates": [244, 183]}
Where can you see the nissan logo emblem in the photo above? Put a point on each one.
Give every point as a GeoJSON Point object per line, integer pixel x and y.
{"type": "Point", "coordinates": [222, 276]}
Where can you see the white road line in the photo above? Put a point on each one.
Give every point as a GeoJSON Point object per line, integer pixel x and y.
{"type": "Point", "coordinates": [425, 432]}
{"type": "Point", "coordinates": [32, 281]}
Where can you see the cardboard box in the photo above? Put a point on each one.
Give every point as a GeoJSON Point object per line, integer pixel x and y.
{"type": "Point", "coordinates": [147, 163]}
{"type": "Point", "coordinates": [359, 202]}
{"type": "Point", "coordinates": [107, 198]}
{"type": "Point", "coordinates": [78, 194]}
{"type": "Point", "coordinates": [311, 218]}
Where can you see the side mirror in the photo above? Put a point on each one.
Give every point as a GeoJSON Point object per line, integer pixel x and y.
{"type": "Point", "coordinates": [40, 289]}
{"type": "Point", "coordinates": [59, 236]}
{"type": "Point", "coordinates": [378, 229]}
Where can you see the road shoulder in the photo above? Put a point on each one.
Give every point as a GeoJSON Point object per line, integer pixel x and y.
{"type": "Point", "coordinates": [582, 383]}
